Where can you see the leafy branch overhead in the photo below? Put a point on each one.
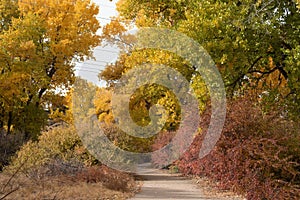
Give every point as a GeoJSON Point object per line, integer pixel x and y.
{"type": "Point", "coordinates": [255, 44]}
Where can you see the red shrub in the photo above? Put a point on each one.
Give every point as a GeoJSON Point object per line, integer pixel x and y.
{"type": "Point", "coordinates": [257, 155]}
{"type": "Point", "coordinates": [173, 144]}
{"type": "Point", "coordinates": [110, 178]}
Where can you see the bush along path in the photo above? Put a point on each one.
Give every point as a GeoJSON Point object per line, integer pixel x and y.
{"type": "Point", "coordinates": [160, 184]}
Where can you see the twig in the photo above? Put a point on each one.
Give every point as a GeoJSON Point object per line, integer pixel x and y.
{"type": "Point", "coordinates": [14, 174]}
{"type": "Point", "coordinates": [12, 191]}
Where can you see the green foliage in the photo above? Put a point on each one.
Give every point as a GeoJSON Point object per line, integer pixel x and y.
{"type": "Point", "coordinates": [293, 63]}
{"type": "Point", "coordinates": [59, 143]}
{"type": "Point", "coordinates": [30, 120]}
{"type": "Point", "coordinates": [153, 13]}
{"type": "Point", "coordinates": [251, 43]}
{"type": "Point", "coordinates": [255, 44]}
{"type": "Point", "coordinates": [9, 9]}
{"type": "Point", "coordinates": [148, 95]}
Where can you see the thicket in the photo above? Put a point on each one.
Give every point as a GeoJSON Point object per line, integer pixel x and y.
{"type": "Point", "coordinates": [60, 153]}
{"type": "Point", "coordinates": [61, 144]}
{"type": "Point", "coordinates": [110, 178]}
{"type": "Point", "coordinates": [257, 155]}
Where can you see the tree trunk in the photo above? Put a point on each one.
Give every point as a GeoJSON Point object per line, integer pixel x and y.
{"type": "Point", "coordinates": [9, 122]}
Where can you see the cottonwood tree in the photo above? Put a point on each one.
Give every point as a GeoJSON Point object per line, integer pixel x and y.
{"type": "Point", "coordinates": [255, 44]}
{"type": "Point", "coordinates": [39, 44]}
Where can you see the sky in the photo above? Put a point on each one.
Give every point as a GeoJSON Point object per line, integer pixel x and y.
{"type": "Point", "coordinates": [90, 69]}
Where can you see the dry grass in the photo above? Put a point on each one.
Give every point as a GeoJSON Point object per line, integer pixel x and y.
{"type": "Point", "coordinates": [66, 187]}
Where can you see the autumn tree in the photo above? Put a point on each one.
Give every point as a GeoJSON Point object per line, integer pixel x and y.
{"type": "Point", "coordinates": [255, 44]}
{"type": "Point", "coordinates": [40, 42]}
{"type": "Point", "coordinates": [148, 95]}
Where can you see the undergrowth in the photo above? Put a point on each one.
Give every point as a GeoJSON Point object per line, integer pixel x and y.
{"type": "Point", "coordinates": [58, 144]}
{"type": "Point", "coordinates": [59, 157]}
{"type": "Point", "coordinates": [257, 155]}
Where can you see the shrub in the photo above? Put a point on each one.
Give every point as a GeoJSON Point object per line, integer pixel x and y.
{"type": "Point", "coordinates": [57, 167]}
{"type": "Point", "coordinates": [172, 144]}
{"type": "Point", "coordinates": [110, 178]}
{"type": "Point", "coordinates": [257, 155]}
{"type": "Point", "coordinates": [60, 143]}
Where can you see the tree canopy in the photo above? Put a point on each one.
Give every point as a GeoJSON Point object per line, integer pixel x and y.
{"type": "Point", "coordinates": [255, 44]}
{"type": "Point", "coordinates": [39, 44]}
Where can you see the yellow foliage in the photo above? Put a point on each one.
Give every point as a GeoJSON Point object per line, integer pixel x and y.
{"type": "Point", "coordinates": [103, 105]}
{"type": "Point", "coordinates": [38, 48]}
{"type": "Point", "coordinates": [59, 143]}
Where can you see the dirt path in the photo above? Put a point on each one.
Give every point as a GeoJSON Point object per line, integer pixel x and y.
{"type": "Point", "coordinates": [161, 185]}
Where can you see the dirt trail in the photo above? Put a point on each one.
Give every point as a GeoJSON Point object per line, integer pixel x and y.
{"type": "Point", "coordinates": [161, 185]}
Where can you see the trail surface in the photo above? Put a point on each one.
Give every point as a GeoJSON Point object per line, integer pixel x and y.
{"type": "Point", "coordinates": [159, 184]}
